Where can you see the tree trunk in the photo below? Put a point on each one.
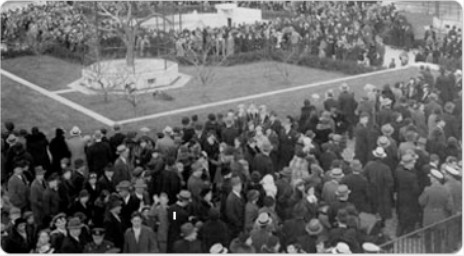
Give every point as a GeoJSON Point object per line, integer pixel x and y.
{"type": "Point", "coordinates": [130, 44]}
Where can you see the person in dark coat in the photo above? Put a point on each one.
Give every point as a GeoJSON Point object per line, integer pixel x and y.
{"type": "Point", "coordinates": [51, 199]}
{"type": "Point", "coordinates": [106, 181]}
{"type": "Point", "coordinates": [262, 162]}
{"type": "Point", "coordinates": [139, 238]}
{"type": "Point", "coordinates": [445, 86]}
{"type": "Point", "coordinates": [116, 140]}
{"type": "Point", "coordinates": [182, 211]}
{"type": "Point", "coordinates": [171, 181]}
{"type": "Point", "coordinates": [82, 204]}
{"type": "Point", "coordinates": [380, 180]}
{"type": "Point", "coordinates": [361, 138]}
{"type": "Point", "coordinates": [67, 190]}
{"type": "Point", "coordinates": [18, 187]}
{"type": "Point", "coordinates": [113, 223]}
{"type": "Point", "coordinates": [38, 188]}
{"type": "Point", "coordinates": [451, 128]}
{"type": "Point", "coordinates": [340, 121]}
{"type": "Point", "coordinates": [17, 241]}
{"type": "Point", "coordinates": [407, 193]}
{"type": "Point", "coordinates": [58, 149]}
{"type": "Point", "coordinates": [287, 141]}
{"type": "Point", "coordinates": [122, 166]}
{"type": "Point", "coordinates": [92, 187]}
{"type": "Point", "coordinates": [235, 208]}
{"type": "Point", "coordinates": [308, 241]}
{"type": "Point", "coordinates": [359, 187]}
{"type": "Point", "coordinates": [229, 133]}
{"type": "Point", "coordinates": [74, 242]}
{"type": "Point", "coordinates": [15, 152]}
{"type": "Point", "coordinates": [213, 231]}
{"type": "Point", "coordinates": [189, 242]}
{"type": "Point", "coordinates": [304, 116]}
{"type": "Point", "coordinates": [347, 105]}
{"type": "Point", "coordinates": [294, 227]}
{"type": "Point", "coordinates": [37, 146]}
{"type": "Point", "coordinates": [99, 154]}
{"type": "Point", "coordinates": [130, 203]}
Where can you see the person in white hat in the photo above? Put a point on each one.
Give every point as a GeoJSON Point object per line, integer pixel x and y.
{"type": "Point", "coordinates": [407, 190]}
{"type": "Point", "coordinates": [437, 203]}
{"type": "Point", "coordinates": [76, 145]}
{"type": "Point", "coordinates": [380, 179]}
{"type": "Point", "coordinates": [341, 248]}
{"type": "Point", "coordinates": [370, 248]}
{"type": "Point", "coordinates": [166, 144]}
{"type": "Point", "coordinates": [454, 186]}
{"type": "Point", "coordinates": [218, 249]}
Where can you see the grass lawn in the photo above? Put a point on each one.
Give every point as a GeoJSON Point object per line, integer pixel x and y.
{"type": "Point", "coordinates": [50, 73]}
{"type": "Point", "coordinates": [27, 108]}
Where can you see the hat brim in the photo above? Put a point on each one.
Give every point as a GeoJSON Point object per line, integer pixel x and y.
{"type": "Point", "coordinates": [317, 232]}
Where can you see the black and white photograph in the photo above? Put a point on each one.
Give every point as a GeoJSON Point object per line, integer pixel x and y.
{"type": "Point", "coordinates": [218, 127]}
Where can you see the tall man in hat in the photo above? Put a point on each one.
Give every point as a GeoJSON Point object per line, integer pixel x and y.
{"type": "Point", "coordinates": [113, 224]}
{"type": "Point", "coordinates": [130, 202]}
{"type": "Point", "coordinates": [178, 214]}
{"type": "Point", "coordinates": [262, 162]}
{"type": "Point", "coordinates": [438, 205]}
{"type": "Point", "coordinates": [342, 193]}
{"type": "Point", "coordinates": [235, 208]}
{"type": "Point", "coordinates": [361, 138]}
{"type": "Point", "coordinates": [380, 180]}
{"type": "Point", "coordinates": [359, 187]}
{"type": "Point", "coordinates": [76, 145]}
{"type": "Point", "coordinates": [38, 188]}
{"type": "Point", "coordinates": [17, 241]}
{"type": "Point", "coordinates": [122, 166]}
{"type": "Point", "coordinates": [74, 242]}
{"type": "Point", "coordinates": [99, 154]}
{"type": "Point", "coordinates": [18, 187]}
{"type": "Point", "coordinates": [287, 141]}
{"type": "Point", "coordinates": [407, 193]}
{"type": "Point", "coordinates": [348, 105]}
{"type": "Point", "coordinates": [99, 244]}
{"type": "Point", "coordinates": [189, 242]}
{"type": "Point", "coordinates": [139, 238]}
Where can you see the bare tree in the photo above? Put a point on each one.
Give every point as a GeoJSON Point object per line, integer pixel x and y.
{"type": "Point", "coordinates": [283, 65]}
{"type": "Point", "coordinates": [205, 63]}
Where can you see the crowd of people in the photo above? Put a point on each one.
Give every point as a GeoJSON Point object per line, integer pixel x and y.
{"type": "Point", "coordinates": [249, 180]}
{"type": "Point", "coordinates": [436, 47]}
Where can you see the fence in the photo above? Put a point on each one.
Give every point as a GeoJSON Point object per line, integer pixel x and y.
{"type": "Point", "coordinates": [442, 237]}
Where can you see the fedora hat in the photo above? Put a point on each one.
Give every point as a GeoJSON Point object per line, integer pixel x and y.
{"type": "Point", "coordinates": [218, 249]}
{"type": "Point", "coordinates": [379, 152]}
{"type": "Point", "coordinates": [387, 129]}
{"type": "Point", "coordinates": [266, 147]}
{"type": "Point", "coordinates": [342, 191]}
{"type": "Point", "coordinates": [407, 159]}
{"type": "Point", "coordinates": [263, 219]}
{"type": "Point", "coordinates": [168, 130]}
{"type": "Point", "coordinates": [453, 171]}
{"type": "Point", "coordinates": [125, 184]}
{"type": "Point", "coordinates": [383, 142]}
{"type": "Point", "coordinates": [356, 165]}
{"type": "Point", "coordinates": [75, 223]}
{"type": "Point", "coordinates": [187, 229]}
{"type": "Point", "coordinates": [75, 131]}
{"type": "Point", "coordinates": [121, 148]}
{"type": "Point", "coordinates": [344, 87]}
{"type": "Point", "coordinates": [314, 227]}
{"type": "Point", "coordinates": [252, 195]}
{"type": "Point", "coordinates": [336, 173]}
{"type": "Point", "coordinates": [184, 195]}
{"type": "Point", "coordinates": [449, 107]}
{"type": "Point", "coordinates": [341, 248]}
{"type": "Point", "coordinates": [57, 217]}
{"type": "Point", "coordinates": [114, 203]}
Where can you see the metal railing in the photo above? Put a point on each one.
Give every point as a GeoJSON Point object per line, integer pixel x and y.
{"type": "Point", "coordinates": [441, 237]}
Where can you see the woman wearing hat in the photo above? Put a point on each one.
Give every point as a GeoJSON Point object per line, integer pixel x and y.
{"type": "Point", "coordinates": [74, 242]}
{"type": "Point", "coordinates": [43, 245]}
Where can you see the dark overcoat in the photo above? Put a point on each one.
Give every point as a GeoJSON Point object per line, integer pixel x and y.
{"type": "Point", "coordinates": [380, 180]}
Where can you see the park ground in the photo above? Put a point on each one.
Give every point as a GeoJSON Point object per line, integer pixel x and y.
{"type": "Point", "coordinates": [27, 108]}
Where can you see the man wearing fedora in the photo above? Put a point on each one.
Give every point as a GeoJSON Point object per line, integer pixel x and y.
{"type": "Point", "coordinates": [122, 166]}
{"type": "Point", "coordinates": [139, 238]}
{"type": "Point", "coordinates": [235, 208]}
{"type": "Point", "coordinates": [38, 188]}
{"type": "Point", "coordinates": [113, 224]}
{"type": "Point", "coordinates": [99, 154]}
{"type": "Point", "coordinates": [358, 185]}
{"type": "Point", "coordinates": [18, 187]}
{"type": "Point", "coordinates": [407, 193]}
{"type": "Point", "coordinates": [330, 187]}
{"type": "Point", "coordinates": [380, 180]}
{"type": "Point", "coordinates": [287, 141]}
{"type": "Point", "coordinates": [262, 162]}
{"type": "Point", "coordinates": [438, 205]}
{"type": "Point", "coordinates": [189, 242]}
{"type": "Point", "coordinates": [130, 203]}
{"type": "Point", "coordinates": [76, 145]}
{"type": "Point", "coordinates": [74, 242]}
{"type": "Point", "coordinates": [309, 240]}
{"type": "Point", "coordinates": [342, 193]}
{"type": "Point", "coordinates": [178, 214]}
{"type": "Point", "coordinates": [361, 138]}
{"type": "Point", "coordinates": [262, 232]}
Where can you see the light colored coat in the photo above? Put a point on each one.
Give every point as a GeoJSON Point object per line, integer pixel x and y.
{"type": "Point", "coordinates": [76, 146]}
{"type": "Point", "coordinates": [437, 203]}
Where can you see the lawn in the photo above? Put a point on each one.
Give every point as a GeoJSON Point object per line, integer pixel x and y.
{"type": "Point", "coordinates": [27, 108]}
